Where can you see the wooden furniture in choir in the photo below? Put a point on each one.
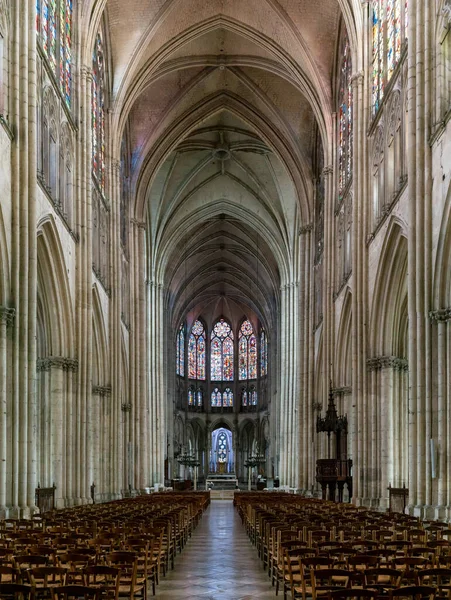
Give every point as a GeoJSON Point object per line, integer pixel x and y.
{"type": "Point", "coordinates": [45, 499]}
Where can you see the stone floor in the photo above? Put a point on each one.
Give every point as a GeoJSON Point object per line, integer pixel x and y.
{"type": "Point", "coordinates": [218, 563]}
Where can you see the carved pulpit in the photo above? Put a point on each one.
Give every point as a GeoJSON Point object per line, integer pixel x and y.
{"type": "Point", "coordinates": [334, 472]}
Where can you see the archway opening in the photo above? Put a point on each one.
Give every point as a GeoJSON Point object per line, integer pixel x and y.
{"type": "Point", "coordinates": [222, 460]}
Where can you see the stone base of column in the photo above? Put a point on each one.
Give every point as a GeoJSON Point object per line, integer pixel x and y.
{"type": "Point", "coordinates": [421, 510]}
{"type": "Point", "coordinates": [3, 512]}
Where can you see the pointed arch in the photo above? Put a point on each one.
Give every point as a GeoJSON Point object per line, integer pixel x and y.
{"type": "Point", "coordinates": [390, 293]}
{"type": "Point", "coordinates": [442, 275]}
{"type": "Point", "coordinates": [221, 351]}
{"type": "Point", "coordinates": [247, 351]}
{"type": "Point", "coordinates": [343, 350]}
{"type": "Point", "coordinates": [54, 301]}
{"type": "Point", "coordinates": [100, 361]}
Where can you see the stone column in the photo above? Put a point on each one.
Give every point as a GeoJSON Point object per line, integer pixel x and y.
{"type": "Point", "coordinates": [6, 319]}
{"type": "Point", "coordinates": [115, 331]}
{"type": "Point", "coordinates": [306, 353]}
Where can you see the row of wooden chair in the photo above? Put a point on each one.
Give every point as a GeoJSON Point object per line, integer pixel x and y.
{"type": "Point", "coordinates": [137, 539]}
{"type": "Point", "coordinates": [302, 542]}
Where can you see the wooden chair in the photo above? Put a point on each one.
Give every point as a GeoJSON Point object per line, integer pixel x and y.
{"type": "Point", "coordinates": [18, 591]}
{"type": "Point", "coordinates": [382, 579]}
{"type": "Point", "coordinates": [75, 592]}
{"type": "Point", "coordinates": [43, 579]}
{"type": "Point", "coordinates": [439, 578]}
{"type": "Point", "coordinates": [353, 594]}
{"type": "Point", "coordinates": [414, 592]}
{"type": "Point", "coordinates": [326, 580]}
{"type": "Point", "coordinates": [127, 564]}
{"type": "Point", "coordinates": [105, 579]}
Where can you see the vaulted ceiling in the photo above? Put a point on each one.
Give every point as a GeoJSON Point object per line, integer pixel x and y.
{"type": "Point", "coordinates": [220, 100]}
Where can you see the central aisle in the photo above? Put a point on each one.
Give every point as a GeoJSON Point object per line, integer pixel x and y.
{"type": "Point", "coordinates": [218, 562]}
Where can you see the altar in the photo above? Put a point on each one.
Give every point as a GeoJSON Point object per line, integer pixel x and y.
{"type": "Point", "coordinates": [219, 481]}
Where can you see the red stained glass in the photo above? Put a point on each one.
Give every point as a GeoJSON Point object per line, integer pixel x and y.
{"type": "Point", "coordinates": [247, 352]}
{"type": "Point", "coordinates": [196, 352]}
{"type": "Point", "coordinates": [221, 358]}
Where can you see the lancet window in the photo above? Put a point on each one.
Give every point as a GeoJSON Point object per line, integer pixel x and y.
{"type": "Point", "coordinates": [181, 351]}
{"type": "Point", "coordinates": [389, 30]}
{"type": "Point", "coordinates": [222, 352]}
{"type": "Point", "coordinates": [54, 31]}
{"type": "Point", "coordinates": [263, 353]}
{"type": "Point", "coordinates": [98, 113]}
{"type": "Point", "coordinates": [195, 397]}
{"type": "Point", "coordinates": [247, 352]}
{"type": "Point", "coordinates": [196, 351]}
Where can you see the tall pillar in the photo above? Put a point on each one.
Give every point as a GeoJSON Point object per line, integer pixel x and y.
{"type": "Point", "coordinates": [419, 157]}
{"type": "Point", "coordinates": [360, 451]}
{"type": "Point", "coordinates": [6, 319]}
{"type": "Point", "coordinates": [23, 254]}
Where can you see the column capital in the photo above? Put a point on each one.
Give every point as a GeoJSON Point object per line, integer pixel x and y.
{"type": "Point", "coordinates": [116, 165]}
{"type": "Point", "coordinates": [139, 224]}
{"type": "Point", "coordinates": [305, 228]}
{"type": "Point", "coordinates": [59, 362]}
{"type": "Point", "coordinates": [379, 363]}
{"type": "Point", "coordinates": [357, 77]}
{"type": "Point", "coordinates": [101, 390]}
{"type": "Point", "coordinates": [440, 315]}
{"type": "Point", "coordinates": [86, 71]}
{"type": "Point", "coordinates": [7, 315]}
{"type": "Point", "coordinates": [342, 391]}
{"type": "Point", "coordinates": [328, 170]}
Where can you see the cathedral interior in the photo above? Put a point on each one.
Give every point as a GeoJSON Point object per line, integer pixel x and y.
{"type": "Point", "coordinates": [225, 229]}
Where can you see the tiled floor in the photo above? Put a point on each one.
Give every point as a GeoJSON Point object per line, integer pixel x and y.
{"type": "Point", "coordinates": [218, 563]}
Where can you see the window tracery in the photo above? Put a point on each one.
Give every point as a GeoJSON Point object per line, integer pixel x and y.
{"type": "Point", "coordinates": [196, 351]}
{"type": "Point", "coordinates": [222, 352]}
{"type": "Point", "coordinates": [181, 351]}
{"type": "Point", "coordinates": [389, 30]}
{"type": "Point", "coordinates": [54, 31]}
{"type": "Point", "coordinates": [247, 348]}
{"type": "Point", "coordinates": [98, 113]}
{"type": "Point", "coordinates": [263, 353]}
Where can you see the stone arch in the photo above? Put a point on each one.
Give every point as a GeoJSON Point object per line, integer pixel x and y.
{"type": "Point", "coordinates": [390, 293]}
{"type": "Point", "coordinates": [441, 298]}
{"type": "Point", "coordinates": [100, 361]}
{"type": "Point", "coordinates": [55, 362]}
{"type": "Point", "coordinates": [388, 367]}
{"type": "Point", "coordinates": [343, 350]}
{"type": "Point", "coordinates": [4, 265]}
{"type": "Point", "coordinates": [53, 291]}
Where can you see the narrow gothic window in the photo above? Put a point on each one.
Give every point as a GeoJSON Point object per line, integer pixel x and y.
{"type": "Point", "coordinates": [345, 116]}
{"type": "Point", "coordinates": [216, 397]}
{"type": "Point", "coordinates": [181, 351]}
{"type": "Point", "coordinates": [196, 352]}
{"type": "Point", "coordinates": [54, 31]}
{"type": "Point", "coordinates": [263, 353]}
{"type": "Point", "coordinates": [389, 21]}
{"type": "Point", "coordinates": [247, 352]}
{"type": "Point", "coordinates": [222, 352]}
{"type": "Point", "coordinates": [195, 398]}
{"type": "Point", "coordinates": [227, 397]}
{"type": "Point", "coordinates": [98, 113]}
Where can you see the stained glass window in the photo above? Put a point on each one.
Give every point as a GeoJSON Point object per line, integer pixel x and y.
{"type": "Point", "coordinates": [98, 113]}
{"type": "Point", "coordinates": [195, 398]}
{"type": "Point", "coordinates": [54, 31]}
{"type": "Point", "coordinates": [244, 397]}
{"type": "Point", "coordinates": [345, 116]}
{"type": "Point", "coordinates": [216, 397]}
{"type": "Point", "coordinates": [222, 352]}
{"type": "Point", "coordinates": [263, 353]}
{"type": "Point", "coordinates": [196, 352]}
{"type": "Point", "coordinates": [222, 447]}
{"type": "Point", "coordinates": [247, 352]}
{"type": "Point", "coordinates": [227, 397]}
{"type": "Point", "coordinates": [389, 21]}
{"type": "Point", "coordinates": [181, 351]}
{"type": "Point", "coordinates": [253, 397]}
